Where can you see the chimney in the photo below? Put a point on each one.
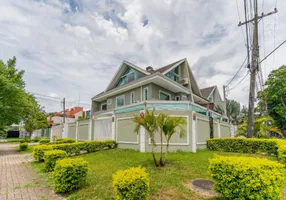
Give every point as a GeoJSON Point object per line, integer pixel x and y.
{"type": "Point", "coordinates": [150, 69]}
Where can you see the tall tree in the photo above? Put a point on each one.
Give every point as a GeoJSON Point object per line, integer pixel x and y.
{"type": "Point", "coordinates": [16, 104]}
{"type": "Point", "coordinates": [275, 95]}
{"type": "Point", "coordinates": [233, 110]}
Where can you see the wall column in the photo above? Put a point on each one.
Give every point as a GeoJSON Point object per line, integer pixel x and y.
{"type": "Point", "coordinates": [194, 132]}
{"type": "Point", "coordinates": [218, 129]}
{"type": "Point", "coordinates": [113, 127]}
{"type": "Point", "coordinates": [66, 130]}
{"type": "Point", "coordinates": [142, 141]}
{"type": "Point", "coordinates": [76, 131]}
{"type": "Point", "coordinates": [51, 134]}
{"type": "Point", "coordinates": [90, 128]}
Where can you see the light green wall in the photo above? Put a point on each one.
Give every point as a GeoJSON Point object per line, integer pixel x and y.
{"type": "Point", "coordinates": [125, 131]}
{"type": "Point", "coordinates": [83, 127]}
{"type": "Point", "coordinates": [129, 131]}
{"type": "Point", "coordinates": [176, 139]}
{"type": "Point", "coordinates": [225, 130]}
{"type": "Point", "coordinates": [215, 129]}
{"type": "Point", "coordinates": [157, 88]}
{"type": "Point", "coordinates": [203, 128]}
{"type": "Point", "coordinates": [72, 131]}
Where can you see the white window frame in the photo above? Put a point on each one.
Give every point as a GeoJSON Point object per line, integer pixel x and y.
{"type": "Point", "coordinates": [179, 99]}
{"type": "Point", "coordinates": [102, 105]}
{"type": "Point", "coordinates": [170, 96]}
{"type": "Point", "coordinates": [131, 97]}
{"type": "Point", "coordinates": [123, 100]}
{"type": "Point", "coordinates": [144, 97]}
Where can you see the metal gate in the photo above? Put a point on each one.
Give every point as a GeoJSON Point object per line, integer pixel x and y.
{"type": "Point", "coordinates": [103, 128]}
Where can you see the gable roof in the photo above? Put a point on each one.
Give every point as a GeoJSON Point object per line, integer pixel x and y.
{"type": "Point", "coordinates": [124, 65]}
{"type": "Point", "coordinates": [165, 68]}
{"type": "Point", "coordinates": [206, 92]}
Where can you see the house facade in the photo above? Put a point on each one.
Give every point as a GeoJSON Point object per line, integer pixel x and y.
{"type": "Point", "coordinates": [213, 96]}
{"type": "Point", "coordinates": [170, 89]}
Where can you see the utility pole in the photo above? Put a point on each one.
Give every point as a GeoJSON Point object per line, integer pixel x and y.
{"type": "Point", "coordinates": [64, 107]}
{"type": "Point", "coordinates": [224, 96]}
{"type": "Point", "coordinates": [254, 67]}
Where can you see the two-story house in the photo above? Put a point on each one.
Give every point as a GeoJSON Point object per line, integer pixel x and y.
{"type": "Point", "coordinates": [172, 89]}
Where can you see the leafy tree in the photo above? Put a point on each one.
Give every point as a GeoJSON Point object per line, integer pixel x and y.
{"type": "Point", "coordinates": [16, 104]}
{"type": "Point", "coordinates": [219, 109]}
{"type": "Point", "coordinates": [275, 95]}
{"type": "Point", "coordinates": [36, 120]}
{"type": "Point", "coordinates": [233, 110]}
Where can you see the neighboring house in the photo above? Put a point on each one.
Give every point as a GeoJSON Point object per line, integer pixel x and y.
{"type": "Point", "coordinates": [171, 89]}
{"type": "Point", "coordinates": [71, 115]}
{"type": "Point", "coordinates": [213, 96]}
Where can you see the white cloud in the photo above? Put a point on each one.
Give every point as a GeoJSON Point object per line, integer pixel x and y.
{"type": "Point", "coordinates": [73, 48]}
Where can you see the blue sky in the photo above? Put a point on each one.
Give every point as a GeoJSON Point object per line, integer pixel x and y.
{"type": "Point", "coordinates": [72, 48]}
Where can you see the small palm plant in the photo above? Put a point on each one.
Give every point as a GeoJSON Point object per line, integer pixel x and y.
{"type": "Point", "coordinates": [168, 127]}
{"type": "Point", "coordinates": [148, 121]}
{"type": "Point", "coordinates": [264, 125]}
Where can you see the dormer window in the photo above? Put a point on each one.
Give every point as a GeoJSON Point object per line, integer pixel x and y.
{"type": "Point", "coordinates": [174, 74]}
{"type": "Point", "coordinates": [129, 76]}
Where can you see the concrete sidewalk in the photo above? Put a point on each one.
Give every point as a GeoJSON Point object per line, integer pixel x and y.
{"type": "Point", "coordinates": [18, 180]}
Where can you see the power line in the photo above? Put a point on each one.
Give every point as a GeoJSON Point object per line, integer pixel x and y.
{"type": "Point", "coordinates": [45, 95]}
{"type": "Point", "coordinates": [272, 51]}
{"type": "Point", "coordinates": [247, 32]}
{"type": "Point", "coordinates": [237, 71]}
{"type": "Point", "coordinates": [239, 81]}
{"type": "Point", "coordinates": [238, 13]}
{"type": "Point", "coordinates": [274, 38]}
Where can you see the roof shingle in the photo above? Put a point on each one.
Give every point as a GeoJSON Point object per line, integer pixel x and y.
{"type": "Point", "coordinates": [207, 91]}
{"type": "Point", "coordinates": [165, 68]}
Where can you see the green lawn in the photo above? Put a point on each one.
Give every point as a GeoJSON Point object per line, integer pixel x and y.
{"type": "Point", "coordinates": [166, 183]}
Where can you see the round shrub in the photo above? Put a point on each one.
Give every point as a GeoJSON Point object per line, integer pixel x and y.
{"type": "Point", "coordinates": [38, 151]}
{"type": "Point", "coordinates": [132, 183]}
{"type": "Point", "coordinates": [247, 178]}
{"type": "Point", "coordinates": [51, 157]}
{"type": "Point", "coordinates": [44, 141]}
{"type": "Point", "coordinates": [23, 146]}
{"type": "Point", "coordinates": [69, 174]}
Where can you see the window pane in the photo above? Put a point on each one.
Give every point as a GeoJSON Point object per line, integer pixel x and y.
{"type": "Point", "coordinates": [164, 96]}
{"type": "Point", "coordinates": [145, 93]}
{"type": "Point", "coordinates": [176, 70]}
{"type": "Point", "coordinates": [130, 77]}
{"type": "Point", "coordinates": [103, 107]}
{"type": "Point", "coordinates": [120, 101]}
{"type": "Point", "coordinates": [132, 97]}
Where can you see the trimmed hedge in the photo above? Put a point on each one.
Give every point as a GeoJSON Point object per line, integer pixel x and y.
{"type": "Point", "coordinates": [44, 141]}
{"type": "Point", "coordinates": [64, 140]}
{"type": "Point", "coordinates": [247, 177]}
{"type": "Point", "coordinates": [89, 146]}
{"type": "Point", "coordinates": [74, 148]}
{"type": "Point", "coordinates": [51, 157]}
{"type": "Point", "coordinates": [38, 151]}
{"type": "Point", "coordinates": [243, 145]}
{"type": "Point", "coordinates": [70, 174]}
{"type": "Point", "coordinates": [281, 152]}
{"type": "Point", "coordinates": [132, 183]}
{"type": "Point", "coordinates": [23, 146]}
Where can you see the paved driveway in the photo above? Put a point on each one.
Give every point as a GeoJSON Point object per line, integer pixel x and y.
{"type": "Point", "coordinates": [18, 180]}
